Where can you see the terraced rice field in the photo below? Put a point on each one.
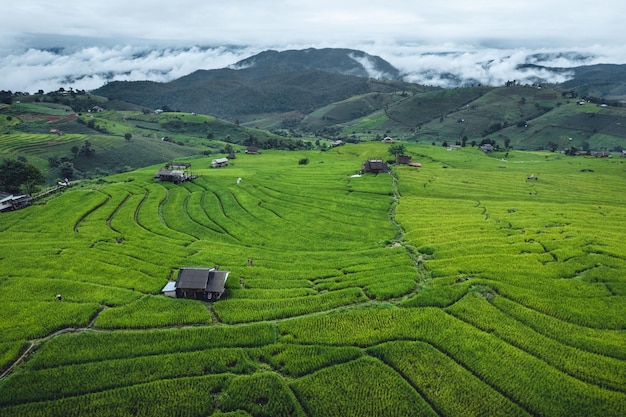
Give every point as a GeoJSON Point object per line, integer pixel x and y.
{"type": "Point", "coordinates": [461, 288]}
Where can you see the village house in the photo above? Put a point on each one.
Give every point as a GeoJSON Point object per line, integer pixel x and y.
{"type": "Point", "coordinates": [487, 147]}
{"type": "Point", "coordinates": [174, 172]}
{"type": "Point", "coordinates": [220, 162]}
{"type": "Point", "coordinates": [198, 284]}
{"type": "Point", "coordinates": [406, 160]}
{"type": "Point", "coordinates": [387, 139]}
{"type": "Point", "coordinates": [10, 202]}
{"type": "Point", "coordinates": [336, 143]}
{"type": "Point", "coordinates": [375, 166]}
{"type": "Point", "coordinates": [403, 159]}
{"type": "Point", "coordinates": [252, 150]}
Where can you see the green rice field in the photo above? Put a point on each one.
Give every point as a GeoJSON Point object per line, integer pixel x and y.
{"type": "Point", "coordinates": [476, 285]}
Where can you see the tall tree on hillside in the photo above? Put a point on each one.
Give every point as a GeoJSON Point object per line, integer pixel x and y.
{"type": "Point", "coordinates": [15, 175]}
{"type": "Point", "coordinates": [396, 149]}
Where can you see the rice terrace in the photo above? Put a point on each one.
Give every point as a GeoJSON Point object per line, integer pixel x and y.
{"type": "Point", "coordinates": [474, 285]}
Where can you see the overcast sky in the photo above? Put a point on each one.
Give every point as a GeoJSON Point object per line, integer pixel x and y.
{"type": "Point", "coordinates": [386, 28]}
{"type": "Point", "coordinates": [521, 22]}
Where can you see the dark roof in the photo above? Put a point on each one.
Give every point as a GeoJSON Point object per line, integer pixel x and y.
{"type": "Point", "coordinates": [203, 279]}
{"type": "Point", "coordinates": [193, 278]}
{"type": "Point", "coordinates": [375, 165]}
{"type": "Point", "coordinates": [217, 280]}
{"type": "Point", "coordinates": [404, 159]}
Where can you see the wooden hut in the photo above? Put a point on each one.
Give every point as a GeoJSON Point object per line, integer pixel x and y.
{"type": "Point", "coordinates": [219, 162]}
{"type": "Point", "coordinates": [403, 159]}
{"type": "Point", "coordinates": [198, 284]}
{"type": "Point", "coordinates": [375, 166]}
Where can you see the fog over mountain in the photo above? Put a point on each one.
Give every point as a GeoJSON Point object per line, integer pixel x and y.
{"type": "Point", "coordinates": [91, 65]}
{"type": "Point", "coordinates": [47, 45]}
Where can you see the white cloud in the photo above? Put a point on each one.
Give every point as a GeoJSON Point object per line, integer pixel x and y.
{"type": "Point", "coordinates": [440, 65]}
{"type": "Point", "coordinates": [47, 44]}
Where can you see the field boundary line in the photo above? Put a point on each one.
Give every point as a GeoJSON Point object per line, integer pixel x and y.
{"type": "Point", "coordinates": [408, 381]}
{"type": "Point", "coordinates": [117, 209]}
{"type": "Point", "coordinates": [84, 216]}
{"type": "Point", "coordinates": [480, 378]}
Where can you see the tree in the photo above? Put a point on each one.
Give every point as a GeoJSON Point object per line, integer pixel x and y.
{"type": "Point", "coordinates": [66, 169]}
{"type": "Point", "coordinates": [128, 137]}
{"type": "Point", "coordinates": [16, 174]}
{"type": "Point", "coordinates": [86, 149]}
{"type": "Point", "coordinates": [396, 149]}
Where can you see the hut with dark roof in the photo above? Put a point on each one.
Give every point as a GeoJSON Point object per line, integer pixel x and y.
{"type": "Point", "coordinates": [375, 166]}
{"type": "Point", "coordinates": [198, 284]}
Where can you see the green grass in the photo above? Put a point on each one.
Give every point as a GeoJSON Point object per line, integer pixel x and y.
{"type": "Point", "coordinates": [459, 288]}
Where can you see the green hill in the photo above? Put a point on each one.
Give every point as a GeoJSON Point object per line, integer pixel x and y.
{"type": "Point", "coordinates": [62, 142]}
{"type": "Point", "coordinates": [458, 288]}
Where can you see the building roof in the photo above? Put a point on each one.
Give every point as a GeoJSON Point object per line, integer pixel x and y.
{"type": "Point", "coordinates": [375, 165]}
{"type": "Point", "coordinates": [217, 281]}
{"type": "Point", "coordinates": [170, 286]}
{"type": "Point", "coordinates": [201, 279]}
{"type": "Point", "coordinates": [404, 159]}
{"type": "Point", "coordinates": [193, 278]}
{"type": "Point", "coordinates": [170, 173]}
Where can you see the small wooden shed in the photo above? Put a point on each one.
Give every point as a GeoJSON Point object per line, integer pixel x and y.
{"type": "Point", "coordinates": [198, 283]}
{"type": "Point", "coordinates": [220, 162]}
{"type": "Point", "coordinates": [403, 159]}
{"type": "Point", "coordinates": [10, 202]}
{"type": "Point", "coordinates": [375, 166]}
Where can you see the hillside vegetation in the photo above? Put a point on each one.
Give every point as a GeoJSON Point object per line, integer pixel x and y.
{"type": "Point", "coordinates": [107, 137]}
{"type": "Point", "coordinates": [459, 288]}
{"type": "Point", "coordinates": [337, 106]}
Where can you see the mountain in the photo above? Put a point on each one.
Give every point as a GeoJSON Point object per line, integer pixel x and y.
{"type": "Point", "coordinates": [602, 80]}
{"type": "Point", "coordinates": [269, 82]}
{"type": "Point", "coordinates": [334, 60]}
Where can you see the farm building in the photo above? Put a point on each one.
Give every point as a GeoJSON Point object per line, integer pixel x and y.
{"type": "Point", "coordinates": [375, 166]}
{"type": "Point", "coordinates": [487, 147]}
{"type": "Point", "coordinates": [387, 139]}
{"type": "Point", "coordinates": [252, 150]}
{"type": "Point", "coordinates": [172, 175]}
{"type": "Point", "coordinates": [403, 159]}
{"type": "Point", "coordinates": [170, 289]}
{"type": "Point", "coordinates": [10, 202]}
{"type": "Point", "coordinates": [336, 143]}
{"type": "Point", "coordinates": [173, 172]}
{"type": "Point", "coordinates": [197, 283]}
{"type": "Point", "coordinates": [220, 162]}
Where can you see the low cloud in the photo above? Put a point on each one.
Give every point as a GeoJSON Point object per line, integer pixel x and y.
{"type": "Point", "coordinates": [447, 65]}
